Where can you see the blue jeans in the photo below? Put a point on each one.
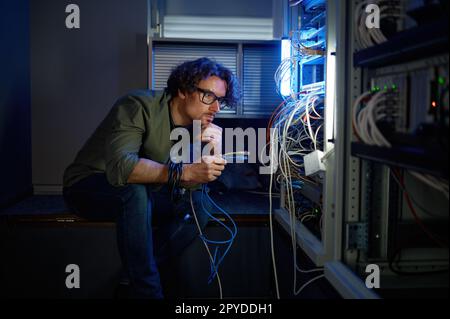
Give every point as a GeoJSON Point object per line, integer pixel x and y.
{"type": "Point", "coordinates": [135, 208]}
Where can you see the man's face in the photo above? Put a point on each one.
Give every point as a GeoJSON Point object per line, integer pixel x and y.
{"type": "Point", "coordinates": [202, 104]}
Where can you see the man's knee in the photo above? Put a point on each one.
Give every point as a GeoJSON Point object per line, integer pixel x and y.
{"type": "Point", "coordinates": [136, 196]}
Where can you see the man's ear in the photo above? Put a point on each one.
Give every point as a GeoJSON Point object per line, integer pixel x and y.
{"type": "Point", "coordinates": [181, 95]}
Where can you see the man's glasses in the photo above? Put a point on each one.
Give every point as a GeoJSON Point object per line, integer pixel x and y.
{"type": "Point", "coordinates": [209, 97]}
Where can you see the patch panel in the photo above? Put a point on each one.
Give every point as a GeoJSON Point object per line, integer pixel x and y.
{"type": "Point", "coordinates": [421, 95]}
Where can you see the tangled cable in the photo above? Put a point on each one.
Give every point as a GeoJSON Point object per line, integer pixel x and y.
{"type": "Point", "coordinates": [221, 247]}
{"type": "Point", "coordinates": [370, 108]}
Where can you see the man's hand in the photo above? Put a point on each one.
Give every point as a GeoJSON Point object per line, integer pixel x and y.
{"type": "Point", "coordinates": [207, 171]}
{"type": "Point", "coordinates": [212, 134]}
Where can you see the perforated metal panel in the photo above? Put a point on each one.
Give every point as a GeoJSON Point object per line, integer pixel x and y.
{"type": "Point", "coordinates": [260, 64]}
{"type": "Point", "coordinates": [166, 56]}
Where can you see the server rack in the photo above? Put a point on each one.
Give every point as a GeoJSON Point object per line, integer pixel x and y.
{"type": "Point", "coordinates": [385, 223]}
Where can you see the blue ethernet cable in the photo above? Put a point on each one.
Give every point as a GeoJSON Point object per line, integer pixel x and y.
{"type": "Point", "coordinates": [217, 259]}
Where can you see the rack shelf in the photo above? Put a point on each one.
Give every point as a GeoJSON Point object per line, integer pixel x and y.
{"type": "Point", "coordinates": [420, 159]}
{"type": "Point", "coordinates": [315, 59]}
{"type": "Point", "coordinates": [407, 45]}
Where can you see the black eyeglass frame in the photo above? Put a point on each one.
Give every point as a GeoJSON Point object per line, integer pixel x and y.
{"type": "Point", "coordinates": [222, 100]}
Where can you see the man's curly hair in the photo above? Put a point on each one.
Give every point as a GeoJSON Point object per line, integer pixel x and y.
{"type": "Point", "coordinates": [187, 75]}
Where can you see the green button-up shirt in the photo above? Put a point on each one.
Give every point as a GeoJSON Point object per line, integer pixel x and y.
{"type": "Point", "coordinates": [138, 126]}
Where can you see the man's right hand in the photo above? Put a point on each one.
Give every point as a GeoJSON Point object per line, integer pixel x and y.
{"type": "Point", "coordinates": [207, 171]}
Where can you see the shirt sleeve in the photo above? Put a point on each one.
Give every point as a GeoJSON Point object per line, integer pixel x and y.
{"type": "Point", "coordinates": [124, 141]}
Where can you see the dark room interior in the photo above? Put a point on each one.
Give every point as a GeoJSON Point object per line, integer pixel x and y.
{"type": "Point", "coordinates": [328, 171]}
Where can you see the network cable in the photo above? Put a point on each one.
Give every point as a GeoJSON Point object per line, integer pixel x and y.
{"type": "Point", "coordinates": [367, 110]}
{"type": "Point", "coordinates": [299, 123]}
{"type": "Point", "coordinates": [217, 258]}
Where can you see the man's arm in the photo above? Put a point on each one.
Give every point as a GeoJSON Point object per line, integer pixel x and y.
{"type": "Point", "coordinates": [148, 172]}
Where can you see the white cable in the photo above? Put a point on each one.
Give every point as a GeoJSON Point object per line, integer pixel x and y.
{"type": "Point", "coordinates": [308, 271]}
{"type": "Point", "coordinates": [308, 283]}
{"type": "Point", "coordinates": [301, 108]}
{"type": "Point", "coordinates": [432, 182]}
{"type": "Point", "coordinates": [314, 109]}
{"type": "Point", "coordinates": [375, 135]}
{"type": "Point", "coordinates": [296, 3]}
{"type": "Point", "coordinates": [355, 112]}
{"type": "Point", "coordinates": [317, 131]}
{"type": "Point", "coordinates": [304, 218]}
{"type": "Point", "coordinates": [308, 120]}
{"type": "Point", "coordinates": [364, 122]}
{"type": "Point", "coordinates": [272, 151]}
{"type": "Point", "coordinates": [286, 66]}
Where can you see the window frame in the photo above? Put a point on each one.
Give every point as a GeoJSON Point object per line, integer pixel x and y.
{"type": "Point", "coordinates": [239, 112]}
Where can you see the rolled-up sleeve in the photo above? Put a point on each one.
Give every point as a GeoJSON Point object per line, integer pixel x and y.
{"type": "Point", "coordinates": [124, 141]}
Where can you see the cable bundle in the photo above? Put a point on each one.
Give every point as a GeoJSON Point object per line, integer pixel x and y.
{"type": "Point", "coordinates": [299, 122]}
{"type": "Point", "coordinates": [222, 247]}
{"type": "Point", "coordinates": [286, 67]}
{"type": "Point", "coordinates": [375, 108]}
{"type": "Point", "coordinates": [289, 65]}
{"type": "Point", "coordinates": [175, 172]}
{"type": "Point", "coordinates": [371, 107]}
{"type": "Point", "coordinates": [300, 126]}
{"type": "Point", "coordinates": [218, 257]}
{"type": "Point", "coordinates": [300, 44]}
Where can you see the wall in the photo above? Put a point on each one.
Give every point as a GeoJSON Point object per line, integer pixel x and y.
{"type": "Point", "coordinates": [15, 140]}
{"type": "Point", "coordinates": [77, 74]}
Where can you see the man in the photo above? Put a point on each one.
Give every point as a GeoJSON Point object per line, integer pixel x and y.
{"type": "Point", "coordinates": [124, 171]}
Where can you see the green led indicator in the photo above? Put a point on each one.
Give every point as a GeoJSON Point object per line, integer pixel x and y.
{"type": "Point", "coordinates": [441, 80]}
{"type": "Point", "coordinates": [385, 87]}
{"type": "Point", "coordinates": [394, 87]}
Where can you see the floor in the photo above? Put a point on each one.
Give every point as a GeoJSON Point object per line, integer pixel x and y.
{"type": "Point", "coordinates": [38, 240]}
